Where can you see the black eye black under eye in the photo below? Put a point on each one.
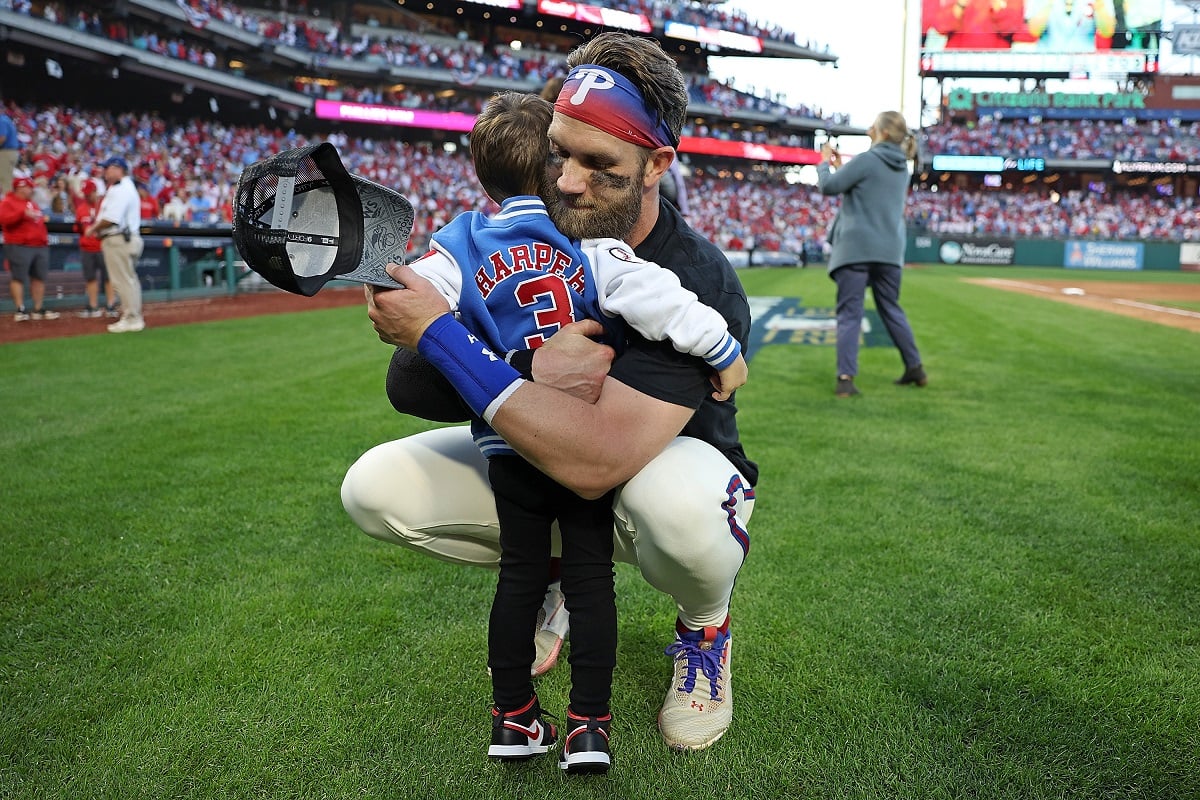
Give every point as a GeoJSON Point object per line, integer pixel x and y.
{"type": "Point", "coordinates": [611, 180]}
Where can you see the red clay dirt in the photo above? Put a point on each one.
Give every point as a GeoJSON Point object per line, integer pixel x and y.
{"type": "Point", "coordinates": [184, 312]}
{"type": "Point", "coordinates": [1147, 301]}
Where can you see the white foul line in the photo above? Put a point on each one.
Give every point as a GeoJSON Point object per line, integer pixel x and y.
{"type": "Point", "coordinates": [1023, 285]}
{"type": "Point", "coordinates": [1119, 301]}
{"type": "Point", "coordinates": [1152, 307]}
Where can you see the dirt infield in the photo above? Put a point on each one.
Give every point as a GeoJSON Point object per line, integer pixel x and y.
{"type": "Point", "coordinates": [184, 312]}
{"type": "Point", "coordinates": [1147, 301]}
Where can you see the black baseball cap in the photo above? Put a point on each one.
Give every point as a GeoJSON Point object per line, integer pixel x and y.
{"type": "Point", "coordinates": [301, 220]}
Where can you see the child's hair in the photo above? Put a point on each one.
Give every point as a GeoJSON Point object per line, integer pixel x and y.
{"type": "Point", "coordinates": [553, 87]}
{"type": "Point", "coordinates": [509, 144]}
{"type": "Point", "coordinates": [890, 126]}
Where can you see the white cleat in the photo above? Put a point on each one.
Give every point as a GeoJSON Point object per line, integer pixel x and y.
{"type": "Point", "coordinates": [553, 625]}
{"type": "Point", "coordinates": [699, 704]}
{"type": "Point", "coordinates": [127, 325]}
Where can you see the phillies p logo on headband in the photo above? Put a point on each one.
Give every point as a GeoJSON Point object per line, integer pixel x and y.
{"type": "Point", "coordinates": [607, 100]}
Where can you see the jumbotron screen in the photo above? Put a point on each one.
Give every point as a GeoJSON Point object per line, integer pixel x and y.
{"type": "Point", "coordinates": [1030, 36]}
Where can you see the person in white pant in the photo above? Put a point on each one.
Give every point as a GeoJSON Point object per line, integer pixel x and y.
{"type": "Point", "coordinates": [118, 225]}
{"type": "Point", "coordinates": [650, 428]}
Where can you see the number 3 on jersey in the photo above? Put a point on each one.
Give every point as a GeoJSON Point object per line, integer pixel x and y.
{"type": "Point", "coordinates": [551, 302]}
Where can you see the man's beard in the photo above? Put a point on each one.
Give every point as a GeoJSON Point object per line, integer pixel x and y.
{"type": "Point", "coordinates": [614, 220]}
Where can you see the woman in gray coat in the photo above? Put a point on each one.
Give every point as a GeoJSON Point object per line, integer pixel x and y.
{"type": "Point", "coordinates": [867, 241]}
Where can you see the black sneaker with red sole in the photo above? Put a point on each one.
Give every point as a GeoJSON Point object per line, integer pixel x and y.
{"type": "Point", "coordinates": [585, 746]}
{"type": "Point", "coordinates": [521, 734]}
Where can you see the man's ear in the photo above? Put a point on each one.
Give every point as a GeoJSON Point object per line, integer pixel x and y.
{"type": "Point", "coordinates": [658, 164]}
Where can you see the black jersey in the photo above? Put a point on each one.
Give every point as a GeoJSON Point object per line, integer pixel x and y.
{"type": "Point", "coordinates": [658, 370]}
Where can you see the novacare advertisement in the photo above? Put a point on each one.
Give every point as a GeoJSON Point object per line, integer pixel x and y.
{"type": "Point", "coordinates": [979, 251]}
{"type": "Point", "coordinates": [1104, 255]}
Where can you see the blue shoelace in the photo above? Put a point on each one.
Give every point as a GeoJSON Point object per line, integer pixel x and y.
{"type": "Point", "coordinates": [708, 661]}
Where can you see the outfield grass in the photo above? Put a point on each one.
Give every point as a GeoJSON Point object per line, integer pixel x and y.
{"type": "Point", "coordinates": [986, 588]}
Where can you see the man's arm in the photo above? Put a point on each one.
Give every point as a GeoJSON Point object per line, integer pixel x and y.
{"type": "Point", "coordinates": [568, 361]}
{"type": "Point", "coordinates": [10, 212]}
{"type": "Point", "coordinates": [102, 223]}
{"type": "Point", "coordinates": [619, 434]}
{"type": "Point", "coordinates": [588, 448]}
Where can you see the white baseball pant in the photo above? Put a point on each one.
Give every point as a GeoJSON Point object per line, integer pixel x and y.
{"type": "Point", "coordinates": [682, 520]}
{"type": "Point", "coordinates": [120, 259]}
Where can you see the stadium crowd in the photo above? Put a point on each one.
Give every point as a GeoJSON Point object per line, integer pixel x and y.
{"type": "Point", "coordinates": [466, 59]}
{"type": "Point", "coordinates": [453, 50]}
{"type": "Point", "coordinates": [1045, 213]}
{"type": "Point", "coordinates": [1123, 139]}
{"type": "Point", "coordinates": [659, 11]}
{"type": "Point", "coordinates": [190, 170]}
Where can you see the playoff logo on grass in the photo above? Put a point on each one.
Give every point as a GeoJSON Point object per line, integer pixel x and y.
{"type": "Point", "coordinates": [783, 320]}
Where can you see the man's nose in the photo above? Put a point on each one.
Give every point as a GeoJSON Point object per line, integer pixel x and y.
{"type": "Point", "coordinates": [572, 179]}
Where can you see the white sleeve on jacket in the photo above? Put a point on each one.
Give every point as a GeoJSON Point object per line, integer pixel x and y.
{"type": "Point", "coordinates": [440, 269]}
{"type": "Point", "coordinates": [653, 302]}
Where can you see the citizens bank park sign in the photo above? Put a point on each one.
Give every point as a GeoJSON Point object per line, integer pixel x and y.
{"type": "Point", "coordinates": [965, 100]}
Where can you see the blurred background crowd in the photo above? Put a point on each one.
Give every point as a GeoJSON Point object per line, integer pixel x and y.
{"type": "Point", "coordinates": [187, 167]}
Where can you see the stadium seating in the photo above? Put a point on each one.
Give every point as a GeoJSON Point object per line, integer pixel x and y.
{"type": "Point", "coordinates": [1069, 140]}
{"type": "Point", "coordinates": [191, 166]}
{"type": "Point", "coordinates": [205, 158]}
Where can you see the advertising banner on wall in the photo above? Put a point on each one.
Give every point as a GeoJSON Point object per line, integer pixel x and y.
{"type": "Point", "coordinates": [977, 250]}
{"type": "Point", "coordinates": [1104, 255]}
{"type": "Point", "coordinates": [1189, 256]}
{"type": "Point", "coordinates": [595, 15]}
{"type": "Point", "coordinates": [713, 36]}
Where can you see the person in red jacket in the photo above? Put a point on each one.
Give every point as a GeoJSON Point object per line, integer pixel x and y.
{"type": "Point", "coordinates": [91, 258]}
{"type": "Point", "coordinates": [27, 249]}
{"type": "Point", "coordinates": [146, 200]}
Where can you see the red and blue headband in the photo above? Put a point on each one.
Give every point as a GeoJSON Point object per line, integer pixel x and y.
{"type": "Point", "coordinates": [609, 101]}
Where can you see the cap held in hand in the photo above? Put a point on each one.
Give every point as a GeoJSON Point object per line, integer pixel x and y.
{"type": "Point", "coordinates": [301, 220]}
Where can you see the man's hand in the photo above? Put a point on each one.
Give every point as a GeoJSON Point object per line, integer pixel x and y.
{"type": "Point", "coordinates": [400, 316]}
{"type": "Point", "coordinates": [729, 379]}
{"type": "Point", "coordinates": [573, 363]}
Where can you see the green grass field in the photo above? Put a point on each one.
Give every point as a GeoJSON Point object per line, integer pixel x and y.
{"type": "Point", "coordinates": [988, 588]}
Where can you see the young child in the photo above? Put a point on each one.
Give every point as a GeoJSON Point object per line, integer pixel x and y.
{"type": "Point", "coordinates": [515, 280]}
